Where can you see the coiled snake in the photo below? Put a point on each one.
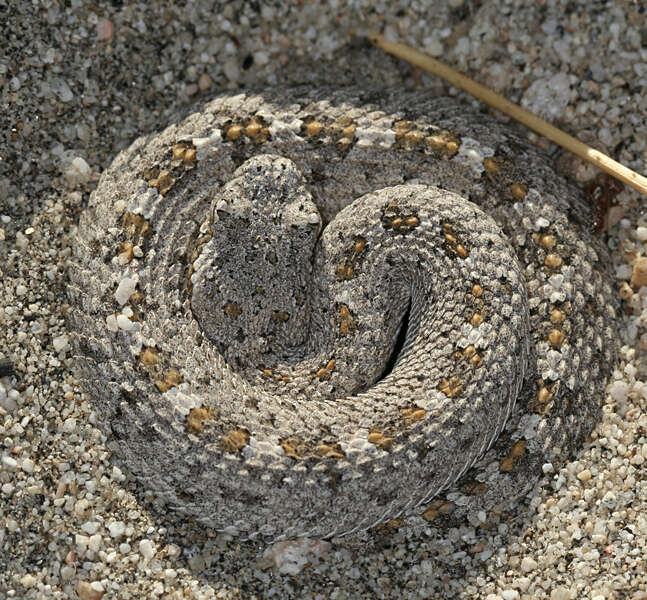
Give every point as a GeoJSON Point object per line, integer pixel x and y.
{"type": "Point", "coordinates": [267, 374]}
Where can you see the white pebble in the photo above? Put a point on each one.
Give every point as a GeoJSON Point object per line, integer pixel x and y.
{"type": "Point", "coordinates": [60, 342]}
{"type": "Point", "coordinates": [261, 58]}
{"type": "Point", "coordinates": [231, 70]}
{"type": "Point", "coordinates": [111, 323]}
{"type": "Point", "coordinates": [117, 474]}
{"type": "Point", "coordinates": [609, 500]}
{"type": "Point", "coordinates": [28, 580]}
{"type": "Point", "coordinates": [90, 591]}
{"type": "Point", "coordinates": [8, 400]}
{"type": "Point", "coordinates": [204, 82]}
{"type": "Point", "coordinates": [95, 542]}
{"type": "Point", "coordinates": [117, 529]}
{"type": "Point", "coordinates": [90, 527]}
{"type": "Point", "coordinates": [125, 323]}
{"type": "Point", "coordinates": [9, 462]}
{"type": "Point", "coordinates": [77, 172]}
{"type": "Point", "coordinates": [434, 46]}
{"type": "Point", "coordinates": [630, 370]}
{"type": "Point", "coordinates": [81, 507]}
{"type": "Point", "coordinates": [624, 271]}
{"type": "Point", "coordinates": [291, 556]}
{"type": "Point", "coordinates": [528, 564]}
{"type": "Point", "coordinates": [22, 240]}
{"type": "Point", "coordinates": [560, 593]}
{"type": "Point", "coordinates": [69, 425]}
{"type": "Point", "coordinates": [125, 290]}
{"type": "Point", "coordinates": [584, 475]}
{"type": "Point", "coordinates": [619, 390]}
{"type": "Point", "coordinates": [147, 549]}
{"type": "Point", "coordinates": [548, 98]}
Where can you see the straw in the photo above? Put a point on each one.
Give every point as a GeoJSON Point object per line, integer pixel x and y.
{"type": "Point", "coordinates": [426, 62]}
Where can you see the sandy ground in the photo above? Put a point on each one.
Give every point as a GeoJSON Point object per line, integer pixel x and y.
{"type": "Point", "coordinates": [80, 81]}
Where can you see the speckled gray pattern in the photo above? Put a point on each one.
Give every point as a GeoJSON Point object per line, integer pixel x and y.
{"type": "Point", "coordinates": [283, 460]}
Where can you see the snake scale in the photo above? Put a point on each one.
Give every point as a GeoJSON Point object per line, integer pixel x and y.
{"type": "Point", "coordinates": [306, 312]}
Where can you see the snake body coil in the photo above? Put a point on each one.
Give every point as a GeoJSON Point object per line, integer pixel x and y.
{"type": "Point", "coordinates": [305, 312]}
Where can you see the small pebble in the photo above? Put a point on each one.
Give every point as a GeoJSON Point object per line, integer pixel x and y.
{"type": "Point", "coordinates": [204, 82]}
{"type": "Point", "coordinates": [8, 462]}
{"type": "Point", "coordinates": [78, 172]}
{"type": "Point", "coordinates": [639, 273]}
{"type": "Point", "coordinates": [117, 529]}
{"type": "Point", "coordinates": [60, 342]}
{"type": "Point", "coordinates": [641, 234]}
{"type": "Point", "coordinates": [584, 475]}
{"type": "Point", "coordinates": [105, 30]}
{"type": "Point", "coordinates": [125, 290]}
{"type": "Point", "coordinates": [28, 580]}
{"type": "Point", "coordinates": [560, 593]}
{"type": "Point", "coordinates": [147, 549]}
{"type": "Point", "coordinates": [528, 564]}
{"type": "Point", "coordinates": [90, 591]}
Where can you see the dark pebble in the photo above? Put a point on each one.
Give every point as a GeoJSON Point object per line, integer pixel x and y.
{"type": "Point", "coordinates": [6, 368]}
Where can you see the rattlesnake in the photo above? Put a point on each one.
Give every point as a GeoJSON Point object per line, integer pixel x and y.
{"type": "Point", "coordinates": [305, 312]}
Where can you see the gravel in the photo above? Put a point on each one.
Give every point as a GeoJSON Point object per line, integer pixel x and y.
{"type": "Point", "coordinates": [79, 81]}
